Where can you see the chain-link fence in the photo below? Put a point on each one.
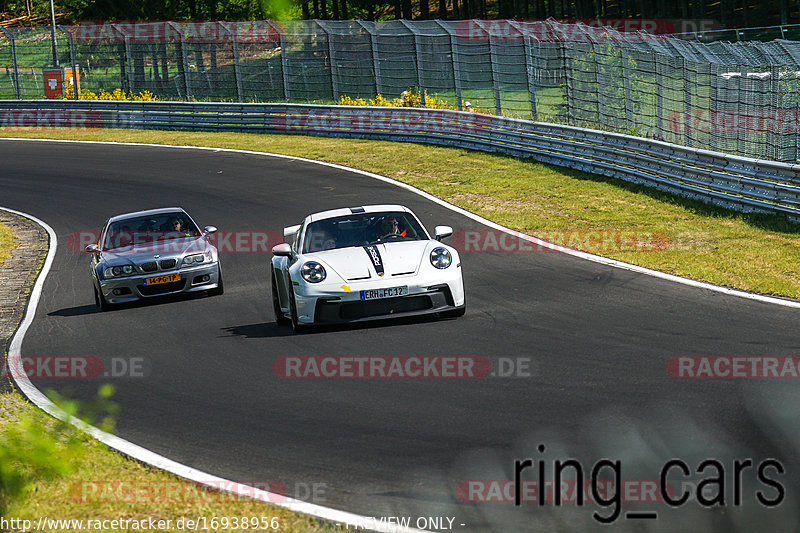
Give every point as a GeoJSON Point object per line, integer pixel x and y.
{"type": "Point", "coordinates": [737, 97]}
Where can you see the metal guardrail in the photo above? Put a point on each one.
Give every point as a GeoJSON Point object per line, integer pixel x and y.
{"type": "Point", "coordinates": [734, 182]}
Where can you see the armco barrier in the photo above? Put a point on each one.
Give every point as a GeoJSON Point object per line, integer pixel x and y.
{"type": "Point", "coordinates": [730, 181]}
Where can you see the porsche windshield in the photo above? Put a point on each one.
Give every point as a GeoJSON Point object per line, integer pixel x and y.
{"type": "Point", "coordinates": [361, 230]}
{"type": "Point", "coordinates": [149, 229]}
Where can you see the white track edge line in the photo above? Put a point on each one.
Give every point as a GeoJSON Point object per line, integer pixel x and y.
{"type": "Point", "coordinates": [143, 454]}
{"type": "Point", "coordinates": [569, 251]}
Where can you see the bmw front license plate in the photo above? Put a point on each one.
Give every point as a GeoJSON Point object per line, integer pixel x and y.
{"type": "Point", "coordinates": [377, 294]}
{"type": "Point", "coordinates": [157, 280]}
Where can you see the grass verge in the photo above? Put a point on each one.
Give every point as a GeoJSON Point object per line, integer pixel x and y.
{"type": "Point", "coordinates": [6, 243]}
{"type": "Point", "coordinates": [104, 485]}
{"type": "Point", "coordinates": [757, 253]}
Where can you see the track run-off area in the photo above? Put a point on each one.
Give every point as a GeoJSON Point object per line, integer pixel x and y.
{"type": "Point", "coordinates": [590, 364]}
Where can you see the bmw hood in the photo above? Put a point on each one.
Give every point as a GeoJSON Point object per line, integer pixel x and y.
{"type": "Point", "coordinates": [365, 262]}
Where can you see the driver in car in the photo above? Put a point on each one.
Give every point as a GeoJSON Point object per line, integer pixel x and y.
{"type": "Point", "coordinates": [390, 226]}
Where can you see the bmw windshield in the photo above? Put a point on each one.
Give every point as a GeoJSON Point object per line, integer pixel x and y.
{"type": "Point", "coordinates": [149, 229]}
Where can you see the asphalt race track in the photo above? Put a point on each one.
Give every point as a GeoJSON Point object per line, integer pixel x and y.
{"type": "Point", "coordinates": [597, 338]}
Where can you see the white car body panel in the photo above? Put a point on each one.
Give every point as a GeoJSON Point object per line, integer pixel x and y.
{"type": "Point", "coordinates": [353, 269]}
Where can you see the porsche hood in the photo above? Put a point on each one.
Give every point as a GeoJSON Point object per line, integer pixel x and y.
{"type": "Point", "coordinates": [375, 260]}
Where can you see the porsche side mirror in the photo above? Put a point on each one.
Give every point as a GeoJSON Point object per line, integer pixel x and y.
{"type": "Point", "coordinates": [442, 231]}
{"type": "Point", "coordinates": [92, 249]}
{"type": "Point", "coordinates": [209, 229]}
{"type": "Point", "coordinates": [282, 250]}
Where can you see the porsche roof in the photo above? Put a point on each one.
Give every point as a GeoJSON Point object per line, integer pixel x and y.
{"type": "Point", "coordinates": [344, 211]}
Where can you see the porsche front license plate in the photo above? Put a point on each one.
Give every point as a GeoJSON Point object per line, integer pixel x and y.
{"type": "Point", "coordinates": [157, 280]}
{"type": "Point", "coordinates": [391, 292]}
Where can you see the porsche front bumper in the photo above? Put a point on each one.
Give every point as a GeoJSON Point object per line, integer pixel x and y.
{"type": "Point", "coordinates": [331, 305]}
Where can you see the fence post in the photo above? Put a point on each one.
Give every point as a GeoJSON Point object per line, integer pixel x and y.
{"type": "Point", "coordinates": [626, 84]}
{"type": "Point", "coordinates": [774, 109]}
{"type": "Point", "coordinates": [236, 67]}
{"type": "Point", "coordinates": [454, 61]}
{"type": "Point", "coordinates": [187, 83]}
{"type": "Point", "coordinates": [713, 135]}
{"type": "Point", "coordinates": [530, 68]}
{"type": "Point", "coordinates": [417, 59]}
{"type": "Point", "coordinates": [598, 92]}
{"type": "Point", "coordinates": [284, 59]}
{"type": "Point", "coordinates": [332, 58]}
{"type": "Point", "coordinates": [687, 102]}
{"type": "Point", "coordinates": [13, 60]}
{"type": "Point", "coordinates": [74, 65]}
{"type": "Point", "coordinates": [492, 60]}
{"type": "Point", "coordinates": [659, 95]}
{"type": "Point", "coordinates": [127, 74]}
{"type": "Point", "coordinates": [373, 50]}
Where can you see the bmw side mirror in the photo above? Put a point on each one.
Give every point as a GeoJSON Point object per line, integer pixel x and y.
{"type": "Point", "coordinates": [282, 250]}
{"type": "Point", "coordinates": [442, 231]}
{"type": "Point", "coordinates": [92, 249]}
{"type": "Point", "coordinates": [209, 229]}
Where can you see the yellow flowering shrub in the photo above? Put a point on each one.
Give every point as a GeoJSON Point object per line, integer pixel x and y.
{"type": "Point", "coordinates": [116, 94]}
{"type": "Point", "coordinates": [407, 99]}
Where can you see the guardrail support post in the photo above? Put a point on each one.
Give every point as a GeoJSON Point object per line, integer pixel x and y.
{"type": "Point", "coordinates": [74, 65]}
{"type": "Point", "coordinates": [284, 59]}
{"type": "Point", "coordinates": [236, 67]}
{"type": "Point", "coordinates": [13, 60]}
{"type": "Point", "coordinates": [417, 60]}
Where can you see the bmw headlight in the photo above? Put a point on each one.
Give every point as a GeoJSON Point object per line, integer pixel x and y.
{"type": "Point", "coordinates": [193, 259]}
{"type": "Point", "coordinates": [441, 258]}
{"type": "Point", "coordinates": [118, 271]}
{"type": "Point", "coordinates": [313, 272]}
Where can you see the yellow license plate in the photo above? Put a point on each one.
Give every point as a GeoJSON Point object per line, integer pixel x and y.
{"type": "Point", "coordinates": [157, 280]}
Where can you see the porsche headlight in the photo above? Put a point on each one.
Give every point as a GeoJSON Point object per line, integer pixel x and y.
{"type": "Point", "coordinates": [313, 272]}
{"type": "Point", "coordinates": [118, 271]}
{"type": "Point", "coordinates": [193, 259]}
{"type": "Point", "coordinates": [441, 258]}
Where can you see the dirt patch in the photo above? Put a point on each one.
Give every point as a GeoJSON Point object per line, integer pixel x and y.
{"type": "Point", "coordinates": [17, 276]}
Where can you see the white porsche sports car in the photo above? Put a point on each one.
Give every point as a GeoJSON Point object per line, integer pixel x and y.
{"type": "Point", "coordinates": [364, 263]}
